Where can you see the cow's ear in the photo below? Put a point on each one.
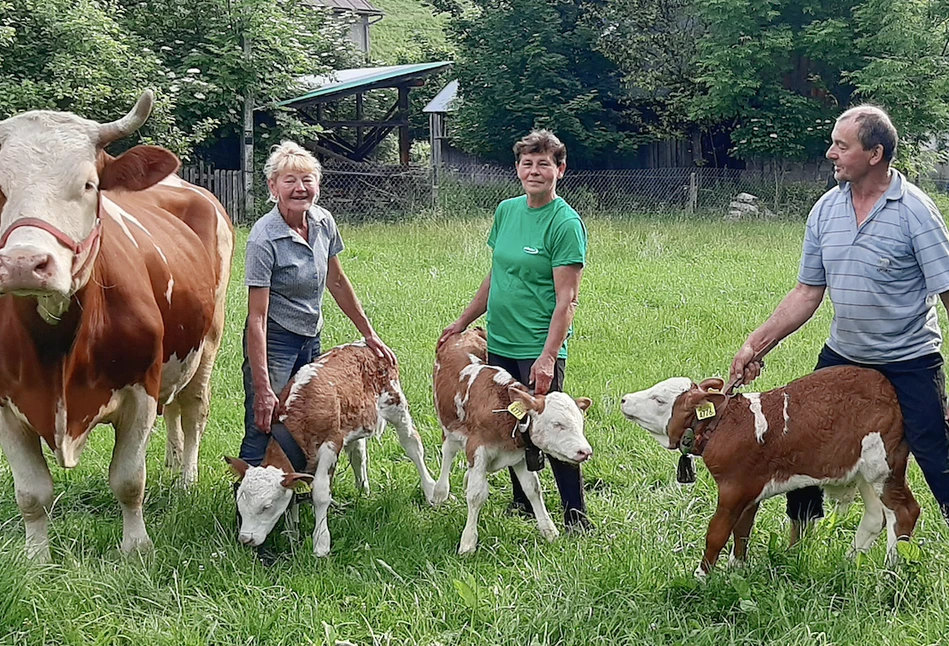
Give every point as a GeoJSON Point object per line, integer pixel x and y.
{"type": "Point", "coordinates": [238, 466]}
{"type": "Point", "coordinates": [713, 383]}
{"type": "Point", "coordinates": [584, 402]}
{"type": "Point", "coordinates": [137, 169]}
{"type": "Point", "coordinates": [297, 481]}
{"type": "Point", "coordinates": [518, 395]}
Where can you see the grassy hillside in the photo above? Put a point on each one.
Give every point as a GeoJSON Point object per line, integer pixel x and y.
{"type": "Point", "coordinates": [409, 32]}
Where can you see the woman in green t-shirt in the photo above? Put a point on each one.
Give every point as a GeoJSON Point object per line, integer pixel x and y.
{"type": "Point", "coordinates": [530, 295]}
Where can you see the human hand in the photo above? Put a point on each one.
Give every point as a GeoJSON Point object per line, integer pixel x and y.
{"type": "Point", "coordinates": [454, 328]}
{"type": "Point", "coordinates": [743, 366]}
{"type": "Point", "coordinates": [542, 373]}
{"type": "Point", "coordinates": [374, 343]}
{"type": "Point", "coordinates": [265, 403]}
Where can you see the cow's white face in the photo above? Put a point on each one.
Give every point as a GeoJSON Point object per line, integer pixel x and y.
{"type": "Point", "coordinates": [652, 408]}
{"type": "Point", "coordinates": [47, 172]}
{"type": "Point", "coordinates": [261, 499]}
{"type": "Point", "coordinates": [558, 429]}
{"type": "Point", "coordinates": [52, 169]}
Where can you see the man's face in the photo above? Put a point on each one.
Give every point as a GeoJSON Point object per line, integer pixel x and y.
{"type": "Point", "coordinates": [851, 161]}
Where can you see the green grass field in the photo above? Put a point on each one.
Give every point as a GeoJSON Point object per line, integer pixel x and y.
{"type": "Point", "coordinates": [408, 29]}
{"type": "Point", "coordinates": [659, 298]}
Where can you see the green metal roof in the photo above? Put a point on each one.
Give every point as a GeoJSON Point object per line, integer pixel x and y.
{"type": "Point", "coordinates": [344, 82]}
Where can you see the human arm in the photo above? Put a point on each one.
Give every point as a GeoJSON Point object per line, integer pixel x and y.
{"type": "Point", "coordinates": [797, 307]}
{"type": "Point", "coordinates": [345, 296]}
{"type": "Point", "coordinates": [265, 400]}
{"type": "Point", "coordinates": [477, 307]}
{"type": "Point", "coordinates": [567, 290]}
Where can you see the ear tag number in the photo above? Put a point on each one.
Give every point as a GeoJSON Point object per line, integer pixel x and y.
{"type": "Point", "coordinates": [302, 486]}
{"type": "Point", "coordinates": [705, 411]}
{"type": "Point", "coordinates": [517, 409]}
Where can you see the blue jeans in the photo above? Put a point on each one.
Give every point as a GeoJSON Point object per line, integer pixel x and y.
{"type": "Point", "coordinates": [920, 386]}
{"type": "Point", "coordinates": [287, 352]}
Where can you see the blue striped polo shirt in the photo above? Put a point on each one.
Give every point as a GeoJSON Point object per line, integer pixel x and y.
{"type": "Point", "coordinates": [883, 277]}
{"type": "Point", "coordinates": [293, 268]}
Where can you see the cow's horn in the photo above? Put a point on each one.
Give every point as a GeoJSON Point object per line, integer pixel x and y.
{"type": "Point", "coordinates": [114, 130]}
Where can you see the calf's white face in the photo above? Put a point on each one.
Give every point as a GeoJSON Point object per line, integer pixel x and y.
{"type": "Point", "coordinates": [261, 499]}
{"type": "Point", "coordinates": [558, 429]}
{"type": "Point", "coordinates": [652, 408]}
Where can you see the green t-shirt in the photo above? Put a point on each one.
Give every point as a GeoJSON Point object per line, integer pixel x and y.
{"type": "Point", "coordinates": [528, 243]}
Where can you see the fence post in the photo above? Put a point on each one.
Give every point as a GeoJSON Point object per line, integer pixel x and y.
{"type": "Point", "coordinates": [693, 194]}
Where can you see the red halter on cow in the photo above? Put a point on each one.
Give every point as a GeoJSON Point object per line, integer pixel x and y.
{"type": "Point", "coordinates": [113, 275]}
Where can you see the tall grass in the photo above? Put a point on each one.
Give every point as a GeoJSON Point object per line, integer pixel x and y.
{"type": "Point", "coordinates": [658, 299]}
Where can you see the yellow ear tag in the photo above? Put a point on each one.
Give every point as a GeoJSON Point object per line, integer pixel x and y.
{"type": "Point", "coordinates": [302, 486]}
{"type": "Point", "coordinates": [517, 409]}
{"type": "Point", "coordinates": [705, 411]}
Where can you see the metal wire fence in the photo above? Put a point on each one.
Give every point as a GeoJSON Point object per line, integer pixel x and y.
{"type": "Point", "coordinates": [373, 193]}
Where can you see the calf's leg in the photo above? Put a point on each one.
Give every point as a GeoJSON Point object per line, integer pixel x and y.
{"type": "Point", "coordinates": [731, 506]}
{"type": "Point", "coordinates": [530, 483]}
{"type": "Point", "coordinates": [742, 533]}
{"type": "Point", "coordinates": [409, 438]}
{"type": "Point", "coordinates": [322, 497]}
{"type": "Point", "coordinates": [476, 494]}
{"type": "Point", "coordinates": [358, 458]}
{"type": "Point", "coordinates": [873, 517]}
{"type": "Point", "coordinates": [450, 449]}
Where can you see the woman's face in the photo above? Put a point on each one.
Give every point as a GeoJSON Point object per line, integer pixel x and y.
{"type": "Point", "coordinates": [539, 173]}
{"type": "Point", "coordinates": [295, 190]}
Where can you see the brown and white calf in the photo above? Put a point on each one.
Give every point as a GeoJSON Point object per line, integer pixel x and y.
{"type": "Point", "coordinates": [472, 400]}
{"type": "Point", "coordinates": [840, 428]}
{"type": "Point", "coordinates": [345, 396]}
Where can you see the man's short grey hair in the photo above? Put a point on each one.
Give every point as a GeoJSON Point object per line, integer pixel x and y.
{"type": "Point", "coordinates": [874, 128]}
{"type": "Point", "coordinates": [291, 156]}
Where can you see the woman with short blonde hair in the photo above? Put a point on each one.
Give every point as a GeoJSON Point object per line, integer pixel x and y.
{"type": "Point", "coordinates": [292, 255]}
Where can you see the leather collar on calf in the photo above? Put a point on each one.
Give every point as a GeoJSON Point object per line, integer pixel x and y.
{"type": "Point", "coordinates": [282, 436]}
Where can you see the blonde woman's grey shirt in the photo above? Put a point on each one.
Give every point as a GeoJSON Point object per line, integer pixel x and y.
{"type": "Point", "coordinates": [293, 268]}
{"type": "Point", "coordinates": [883, 277]}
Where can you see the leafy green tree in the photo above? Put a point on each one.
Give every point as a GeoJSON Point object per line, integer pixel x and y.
{"type": "Point", "coordinates": [76, 56]}
{"type": "Point", "coordinates": [778, 72]}
{"type": "Point", "coordinates": [94, 57]}
{"type": "Point", "coordinates": [523, 64]}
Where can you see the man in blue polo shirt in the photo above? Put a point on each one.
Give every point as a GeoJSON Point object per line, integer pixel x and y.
{"type": "Point", "coordinates": [879, 246]}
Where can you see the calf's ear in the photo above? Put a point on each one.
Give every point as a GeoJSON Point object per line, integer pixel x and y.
{"type": "Point", "coordinates": [517, 395]}
{"type": "Point", "coordinates": [583, 402]}
{"type": "Point", "coordinates": [713, 383]}
{"type": "Point", "coordinates": [292, 480]}
{"type": "Point", "coordinates": [238, 466]}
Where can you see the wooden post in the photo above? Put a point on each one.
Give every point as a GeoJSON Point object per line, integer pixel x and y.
{"type": "Point", "coordinates": [403, 113]}
{"type": "Point", "coordinates": [247, 157]}
{"type": "Point", "coordinates": [693, 193]}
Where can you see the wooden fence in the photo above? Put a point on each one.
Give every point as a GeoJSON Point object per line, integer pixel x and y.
{"type": "Point", "coordinates": [227, 186]}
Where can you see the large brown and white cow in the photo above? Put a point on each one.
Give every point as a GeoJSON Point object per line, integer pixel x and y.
{"type": "Point", "coordinates": [113, 274]}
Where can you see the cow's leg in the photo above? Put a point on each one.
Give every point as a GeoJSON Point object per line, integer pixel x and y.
{"type": "Point", "coordinates": [326, 459]}
{"type": "Point", "coordinates": [742, 533]}
{"type": "Point", "coordinates": [127, 469]}
{"type": "Point", "coordinates": [873, 517]}
{"type": "Point", "coordinates": [476, 494]}
{"type": "Point", "coordinates": [31, 481]}
{"type": "Point", "coordinates": [411, 443]}
{"type": "Point", "coordinates": [898, 497]}
{"type": "Point", "coordinates": [359, 460]}
{"type": "Point", "coordinates": [450, 449]}
{"type": "Point", "coordinates": [530, 483]}
{"type": "Point", "coordinates": [195, 404]}
{"type": "Point", "coordinates": [174, 445]}
{"type": "Point", "coordinates": [731, 506]}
